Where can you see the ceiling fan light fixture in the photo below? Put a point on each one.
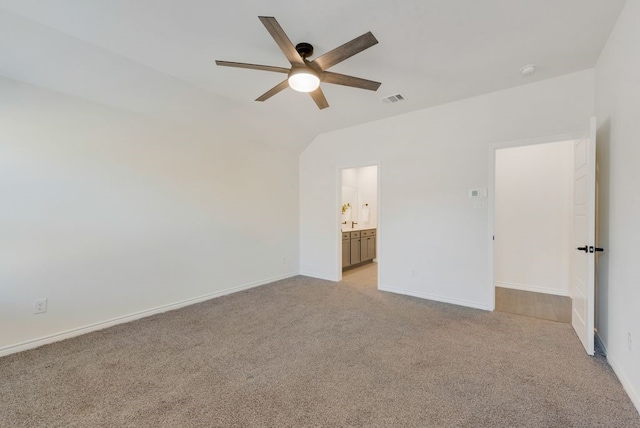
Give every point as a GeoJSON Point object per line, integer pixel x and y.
{"type": "Point", "coordinates": [303, 80]}
{"type": "Point", "coordinates": [305, 75]}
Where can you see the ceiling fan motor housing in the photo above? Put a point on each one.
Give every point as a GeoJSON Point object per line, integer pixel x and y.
{"type": "Point", "coordinates": [304, 49]}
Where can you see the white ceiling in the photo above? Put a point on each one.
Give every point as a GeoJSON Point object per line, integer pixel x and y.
{"type": "Point", "coordinates": [157, 56]}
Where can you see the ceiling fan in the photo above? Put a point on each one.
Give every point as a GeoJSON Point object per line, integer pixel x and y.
{"type": "Point", "coordinates": [305, 75]}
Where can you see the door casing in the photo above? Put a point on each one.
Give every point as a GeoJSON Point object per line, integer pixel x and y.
{"type": "Point", "coordinates": [491, 291]}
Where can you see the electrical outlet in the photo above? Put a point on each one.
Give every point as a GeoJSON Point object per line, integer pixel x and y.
{"type": "Point", "coordinates": [629, 341]}
{"type": "Point", "coordinates": [40, 306]}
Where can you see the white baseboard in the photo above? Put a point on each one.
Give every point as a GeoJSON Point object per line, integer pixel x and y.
{"type": "Point", "coordinates": [317, 276]}
{"type": "Point", "coordinates": [626, 384]}
{"type": "Point", "coordinates": [56, 337]}
{"type": "Point", "coordinates": [535, 289]}
{"type": "Point", "coordinates": [435, 297]}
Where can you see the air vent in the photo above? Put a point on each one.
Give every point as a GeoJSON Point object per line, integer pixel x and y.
{"type": "Point", "coordinates": [393, 99]}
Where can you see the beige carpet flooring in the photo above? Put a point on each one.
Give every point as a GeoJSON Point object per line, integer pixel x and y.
{"type": "Point", "coordinates": [305, 352]}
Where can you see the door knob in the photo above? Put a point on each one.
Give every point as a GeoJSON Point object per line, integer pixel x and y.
{"type": "Point", "coordinates": [585, 249]}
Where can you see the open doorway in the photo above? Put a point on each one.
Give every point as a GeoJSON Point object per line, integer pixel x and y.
{"type": "Point", "coordinates": [533, 232]}
{"type": "Point", "coordinates": [359, 226]}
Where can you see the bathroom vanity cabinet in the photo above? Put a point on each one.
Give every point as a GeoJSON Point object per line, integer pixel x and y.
{"type": "Point", "coordinates": [367, 245]}
{"type": "Point", "coordinates": [358, 246]}
{"type": "Point", "coordinates": [346, 249]}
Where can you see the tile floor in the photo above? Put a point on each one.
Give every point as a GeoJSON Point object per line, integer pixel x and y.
{"type": "Point", "coordinates": [537, 305]}
{"type": "Point", "coordinates": [365, 275]}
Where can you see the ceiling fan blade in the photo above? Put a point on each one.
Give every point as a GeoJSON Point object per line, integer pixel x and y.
{"type": "Point", "coordinates": [271, 92]}
{"type": "Point", "coordinates": [343, 79]}
{"type": "Point", "coordinates": [282, 40]}
{"type": "Point", "coordinates": [252, 66]}
{"type": "Point", "coordinates": [345, 51]}
{"type": "Point", "coordinates": [318, 97]}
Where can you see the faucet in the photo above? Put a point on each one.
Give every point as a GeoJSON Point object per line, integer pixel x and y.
{"type": "Point", "coordinates": [353, 224]}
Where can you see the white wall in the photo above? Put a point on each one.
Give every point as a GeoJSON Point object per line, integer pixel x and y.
{"type": "Point", "coordinates": [533, 217]}
{"type": "Point", "coordinates": [428, 160]}
{"type": "Point", "coordinates": [108, 213]}
{"type": "Point", "coordinates": [618, 111]}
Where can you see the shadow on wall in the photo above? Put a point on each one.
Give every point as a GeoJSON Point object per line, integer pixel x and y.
{"type": "Point", "coordinates": [603, 153]}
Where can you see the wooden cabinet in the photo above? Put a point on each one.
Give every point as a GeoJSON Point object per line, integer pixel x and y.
{"type": "Point", "coordinates": [355, 248]}
{"type": "Point", "coordinates": [367, 248]}
{"type": "Point", "coordinates": [346, 249]}
{"type": "Point", "coordinates": [358, 246]}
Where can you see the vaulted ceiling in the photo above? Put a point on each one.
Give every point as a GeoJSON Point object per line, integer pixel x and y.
{"type": "Point", "coordinates": [157, 57]}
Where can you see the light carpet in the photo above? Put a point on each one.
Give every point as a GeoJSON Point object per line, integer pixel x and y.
{"type": "Point", "coordinates": [306, 352]}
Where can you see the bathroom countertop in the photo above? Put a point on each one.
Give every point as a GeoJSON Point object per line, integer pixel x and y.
{"type": "Point", "coordinates": [357, 228]}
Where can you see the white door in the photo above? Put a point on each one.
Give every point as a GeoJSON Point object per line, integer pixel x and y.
{"type": "Point", "coordinates": [584, 227]}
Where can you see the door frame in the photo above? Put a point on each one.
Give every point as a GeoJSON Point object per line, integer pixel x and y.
{"type": "Point", "coordinates": [338, 214]}
{"type": "Point", "coordinates": [491, 290]}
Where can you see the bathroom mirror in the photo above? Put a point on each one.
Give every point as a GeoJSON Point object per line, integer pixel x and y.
{"type": "Point", "coordinates": [349, 204]}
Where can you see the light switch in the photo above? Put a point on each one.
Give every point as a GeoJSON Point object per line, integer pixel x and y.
{"type": "Point", "coordinates": [478, 193]}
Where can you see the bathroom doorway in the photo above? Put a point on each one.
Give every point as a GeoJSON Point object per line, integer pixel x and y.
{"type": "Point", "coordinates": [358, 228]}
